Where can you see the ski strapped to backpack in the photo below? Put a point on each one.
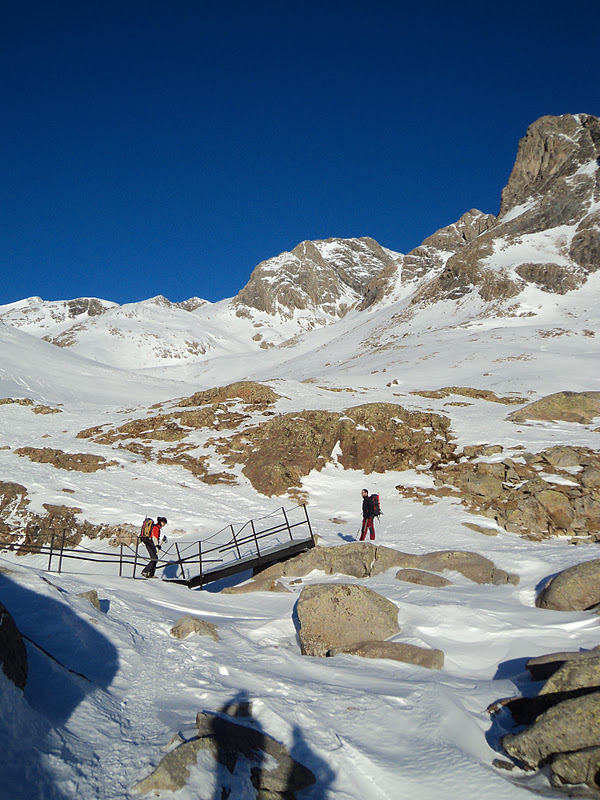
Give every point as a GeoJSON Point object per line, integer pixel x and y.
{"type": "Point", "coordinates": [147, 526]}
{"type": "Point", "coordinates": [376, 505]}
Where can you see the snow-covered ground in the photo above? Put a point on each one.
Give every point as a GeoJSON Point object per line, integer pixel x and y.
{"type": "Point", "coordinates": [374, 729]}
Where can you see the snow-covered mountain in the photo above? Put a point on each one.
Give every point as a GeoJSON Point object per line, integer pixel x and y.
{"type": "Point", "coordinates": [434, 347]}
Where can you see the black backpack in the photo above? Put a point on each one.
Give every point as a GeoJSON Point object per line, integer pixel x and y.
{"type": "Point", "coordinates": [147, 526]}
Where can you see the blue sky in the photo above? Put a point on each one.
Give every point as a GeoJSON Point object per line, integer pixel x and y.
{"type": "Point", "coordinates": [152, 147]}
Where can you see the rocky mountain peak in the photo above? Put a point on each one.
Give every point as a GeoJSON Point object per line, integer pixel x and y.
{"type": "Point", "coordinates": [326, 276]}
{"type": "Point", "coordinates": [554, 150]}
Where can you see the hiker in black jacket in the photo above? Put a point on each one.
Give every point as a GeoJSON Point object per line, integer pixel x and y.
{"type": "Point", "coordinates": [368, 513]}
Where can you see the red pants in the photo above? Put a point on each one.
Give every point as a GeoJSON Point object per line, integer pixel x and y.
{"type": "Point", "coordinates": [367, 524]}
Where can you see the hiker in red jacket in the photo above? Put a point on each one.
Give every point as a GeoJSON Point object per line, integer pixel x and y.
{"type": "Point", "coordinates": [152, 543]}
{"type": "Point", "coordinates": [368, 513]}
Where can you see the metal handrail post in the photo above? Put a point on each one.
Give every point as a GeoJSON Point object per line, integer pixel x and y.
{"type": "Point", "coordinates": [256, 541]}
{"type": "Point", "coordinates": [121, 561]}
{"type": "Point", "coordinates": [179, 560]}
{"type": "Point", "coordinates": [62, 547]}
{"type": "Point", "coordinates": [287, 523]}
{"type": "Point", "coordinates": [235, 541]}
{"type": "Point", "coordinates": [308, 522]}
{"type": "Point", "coordinates": [200, 561]}
{"type": "Point", "coordinates": [50, 556]}
{"type": "Point", "coordinates": [135, 560]}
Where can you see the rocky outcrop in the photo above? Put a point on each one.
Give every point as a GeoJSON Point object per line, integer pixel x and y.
{"type": "Point", "coordinates": [466, 391]}
{"type": "Point", "coordinates": [81, 462]}
{"type": "Point", "coordinates": [187, 625]}
{"type": "Point", "coordinates": [254, 396]}
{"type": "Point", "coordinates": [579, 407]}
{"type": "Point", "coordinates": [13, 655]}
{"type": "Point", "coordinates": [334, 615]}
{"type": "Point", "coordinates": [272, 772]}
{"type": "Point", "coordinates": [562, 720]}
{"type": "Point", "coordinates": [374, 438]}
{"type": "Point", "coordinates": [27, 401]}
{"type": "Point", "coordinates": [396, 651]}
{"type": "Point", "coordinates": [576, 588]}
{"type": "Point", "coordinates": [364, 559]}
{"type": "Point", "coordinates": [537, 495]}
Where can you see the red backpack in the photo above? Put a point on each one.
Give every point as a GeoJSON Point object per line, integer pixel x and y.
{"type": "Point", "coordinates": [376, 505]}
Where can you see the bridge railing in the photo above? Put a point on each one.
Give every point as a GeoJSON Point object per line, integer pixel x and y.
{"type": "Point", "coordinates": [250, 543]}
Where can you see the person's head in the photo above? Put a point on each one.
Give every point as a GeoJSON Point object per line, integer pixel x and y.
{"type": "Point", "coordinates": [365, 493]}
{"type": "Point", "coordinates": [162, 521]}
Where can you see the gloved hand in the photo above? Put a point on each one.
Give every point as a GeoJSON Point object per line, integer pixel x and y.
{"type": "Point", "coordinates": [158, 547]}
{"type": "Point", "coordinates": [164, 539]}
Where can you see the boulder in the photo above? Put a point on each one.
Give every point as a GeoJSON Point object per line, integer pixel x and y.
{"type": "Point", "coordinates": [13, 655]}
{"type": "Point", "coordinates": [273, 773]}
{"type": "Point", "coordinates": [542, 667]}
{"type": "Point", "coordinates": [397, 651]}
{"type": "Point", "coordinates": [581, 673]}
{"type": "Point", "coordinates": [188, 625]}
{"type": "Point", "coordinates": [92, 596]}
{"type": "Point", "coordinates": [579, 407]}
{"type": "Point", "coordinates": [576, 588]}
{"type": "Point", "coordinates": [582, 766]}
{"type": "Point", "coordinates": [569, 726]}
{"type": "Point", "coordinates": [422, 578]}
{"type": "Point", "coordinates": [334, 615]}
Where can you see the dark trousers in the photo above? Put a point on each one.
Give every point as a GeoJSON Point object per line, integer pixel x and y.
{"type": "Point", "coordinates": [367, 525]}
{"type": "Point", "coordinates": [150, 567]}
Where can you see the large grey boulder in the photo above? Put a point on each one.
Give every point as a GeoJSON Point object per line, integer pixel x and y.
{"type": "Point", "coordinates": [576, 588]}
{"type": "Point", "coordinates": [565, 406]}
{"type": "Point", "coordinates": [334, 615]}
{"type": "Point", "coordinates": [582, 766]}
{"type": "Point", "coordinates": [274, 774]}
{"type": "Point", "coordinates": [397, 651]}
{"type": "Point", "coordinates": [569, 726]}
{"type": "Point", "coordinates": [13, 655]}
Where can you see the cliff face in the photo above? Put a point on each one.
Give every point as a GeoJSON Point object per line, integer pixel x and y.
{"type": "Point", "coordinates": [547, 233]}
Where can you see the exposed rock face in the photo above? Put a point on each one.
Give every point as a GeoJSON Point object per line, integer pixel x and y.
{"type": "Point", "coordinates": [563, 719]}
{"type": "Point", "coordinates": [555, 182]}
{"type": "Point", "coordinates": [517, 498]}
{"type": "Point", "coordinates": [13, 655]}
{"type": "Point", "coordinates": [335, 615]}
{"type": "Point", "coordinates": [374, 437]}
{"type": "Point", "coordinates": [396, 651]}
{"type": "Point", "coordinates": [574, 589]}
{"type": "Point", "coordinates": [273, 773]}
{"type": "Point", "coordinates": [92, 596]}
{"type": "Point", "coordinates": [188, 625]}
{"type": "Point", "coordinates": [579, 407]}
{"type": "Point", "coordinates": [553, 151]}
{"type": "Point", "coordinates": [328, 277]}
{"type": "Point", "coordinates": [82, 462]}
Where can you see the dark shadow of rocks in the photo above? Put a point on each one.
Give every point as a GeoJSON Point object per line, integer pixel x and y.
{"type": "Point", "coordinates": [67, 659]}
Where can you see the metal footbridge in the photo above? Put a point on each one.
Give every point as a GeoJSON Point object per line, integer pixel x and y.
{"type": "Point", "coordinates": [254, 545]}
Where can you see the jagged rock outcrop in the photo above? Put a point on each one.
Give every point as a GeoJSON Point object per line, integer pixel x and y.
{"type": "Point", "coordinates": [327, 277]}
{"type": "Point", "coordinates": [520, 500]}
{"type": "Point", "coordinates": [334, 615]}
{"type": "Point", "coordinates": [81, 462]}
{"type": "Point", "coordinates": [13, 655]}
